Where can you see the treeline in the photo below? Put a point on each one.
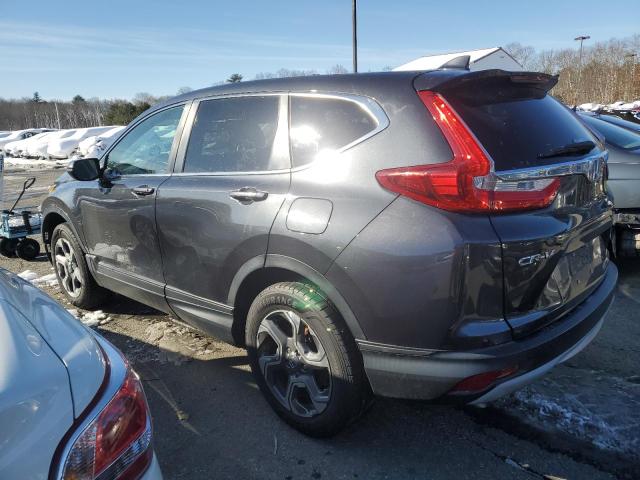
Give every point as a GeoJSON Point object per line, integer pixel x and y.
{"type": "Point", "coordinates": [610, 69]}
{"type": "Point", "coordinates": [36, 112]}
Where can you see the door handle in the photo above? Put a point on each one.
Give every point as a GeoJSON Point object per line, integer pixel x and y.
{"type": "Point", "coordinates": [143, 190]}
{"type": "Point", "coordinates": [248, 195]}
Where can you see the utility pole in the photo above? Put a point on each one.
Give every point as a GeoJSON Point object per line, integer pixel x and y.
{"type": "Point", "coordinates": [582, 38]}
{"type": "Point", "coordinates": [354, 22]}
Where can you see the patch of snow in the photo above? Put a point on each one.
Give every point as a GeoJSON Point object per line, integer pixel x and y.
{"type": "Point", "coordinates": [49, 280]}
{"type": "Point", "coordinates": [93, 319]}
{"type": "Point", "coordinates": [33, 163]}
{"type": "Point", "coordinates": [583, 409]}
{"type": "Point", "coordinates": [28, 275]}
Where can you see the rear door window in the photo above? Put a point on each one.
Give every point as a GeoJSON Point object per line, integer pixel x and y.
{"type": "Point", "coordinates": [320, 124]}
{"type": "Point", "coordinates": [516, 125]}
{"type": "Point", "coordinates": [235, 134]}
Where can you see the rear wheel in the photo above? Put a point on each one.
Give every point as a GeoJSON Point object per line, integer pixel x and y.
{"type": "Point", "coordinates": [28, 249]}
{"type": "Point", "coordinates": [74, 278]}
{"type": "Point", "coordinates": [304, 359]}
{"type": "Point", "coordinates": [8, 247]}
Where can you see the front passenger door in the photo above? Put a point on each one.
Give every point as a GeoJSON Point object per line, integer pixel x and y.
{"type": "Point", "coordinates": [118, 212]}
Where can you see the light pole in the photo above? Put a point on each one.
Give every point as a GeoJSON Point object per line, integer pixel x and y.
{"type": "Point", "coordinates": [582, 38]}
{"type": "Point", "coordinates": [354, 22]}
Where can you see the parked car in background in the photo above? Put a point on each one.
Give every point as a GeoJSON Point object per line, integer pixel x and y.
{"type": "Point", "coordinates": [19, 135]}
{"type": "Point", "coordinates": [623, 184]}
{"type": "Point", "coordinates": [615, 120]}
{"type": "Point", "coordinates": [63, 147]}
{"type": "Point", "coordinates": [18, 147]}
{"type": "Point", "coordinates": [406, 233]}
{"type": "Point", "coordinates": [94, 146]}
{"type": "Point", "coordinates": [70, 405]}
{"type": "Point", "coordinates": [38, 147]}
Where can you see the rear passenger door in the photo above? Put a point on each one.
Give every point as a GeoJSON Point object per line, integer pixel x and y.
{"type": "Point", "coordinates": [216, 211]}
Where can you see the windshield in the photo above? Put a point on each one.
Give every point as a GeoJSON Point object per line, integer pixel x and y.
{"type": "Point", "coordinates": [616, 136]}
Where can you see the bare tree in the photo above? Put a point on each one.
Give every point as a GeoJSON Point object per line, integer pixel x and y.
{"type": "Point", "coordinates": [337, 70]}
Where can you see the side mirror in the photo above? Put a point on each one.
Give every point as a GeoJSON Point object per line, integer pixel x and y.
{"type": "Point", "coordinates": [84, 169]}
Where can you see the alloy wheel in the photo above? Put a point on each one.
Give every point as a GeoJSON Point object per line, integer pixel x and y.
{"type": "Point", "coordinates": [66, 263]}
{"type": "Point", "coordinates": [294, 363]}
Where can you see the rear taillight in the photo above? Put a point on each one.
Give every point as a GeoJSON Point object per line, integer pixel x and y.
{"type": "Point", "coordinates": [466, 183]}
{"type": "Point", "coordinates": [117, 444]}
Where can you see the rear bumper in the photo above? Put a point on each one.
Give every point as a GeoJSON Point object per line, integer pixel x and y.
{"type": "Point", "coordinates": [430, 374]}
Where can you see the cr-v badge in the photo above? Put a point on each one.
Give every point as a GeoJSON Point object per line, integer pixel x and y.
{"type": "Point", "coordinates": [533, 259]}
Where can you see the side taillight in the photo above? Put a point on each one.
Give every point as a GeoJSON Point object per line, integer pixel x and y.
{"type": "Point", "coordinates": [116, 445]}
{"type": "Point", "coordinates": [466, 183]}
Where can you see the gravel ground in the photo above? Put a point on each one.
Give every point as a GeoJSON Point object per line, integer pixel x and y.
{"type": "Point", "coordinates": [581, 421]}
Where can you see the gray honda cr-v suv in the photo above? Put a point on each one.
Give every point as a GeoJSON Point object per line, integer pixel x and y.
{"type": "Point", "coordinates": [438, 235]}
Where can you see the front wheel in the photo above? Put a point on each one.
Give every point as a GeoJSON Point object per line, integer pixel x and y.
{"type": "Point", "coordinates": [304, 359]}
{"type": "Point", "coordinates": [74, 278]}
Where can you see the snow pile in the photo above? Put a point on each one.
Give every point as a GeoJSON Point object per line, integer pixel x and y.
{"type": "Point", "coordinates": [93, 319]}
{"type": "Point", "coordinates": [28, 275]}
{"type": "Point", "coordinates": [35, 163]}
{"type": "Point", "coordinates": [590, 107]}
{"type": "Point", "coordinates": [583, 408]}
{"type": "Point", "coordinates": [49, 280]}
{"type": "Point", "coordinates": [90, 319]}
{"type": "Point", "coordinates": [619, 106]}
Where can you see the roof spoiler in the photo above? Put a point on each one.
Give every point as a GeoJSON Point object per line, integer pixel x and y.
{"type": "Point", "coordinates": [458, 63]}
{"type": "Point", "coordinates": [450, 79]}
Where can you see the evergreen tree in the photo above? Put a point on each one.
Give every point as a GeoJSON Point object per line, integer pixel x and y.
{"type": "Point", "coordinates": [235, 78]}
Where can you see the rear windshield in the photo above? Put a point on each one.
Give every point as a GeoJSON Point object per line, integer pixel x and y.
{"type": "Point", "coordinates": [515, 129]}
{"type": "Point", "coordinates": [616, 136]}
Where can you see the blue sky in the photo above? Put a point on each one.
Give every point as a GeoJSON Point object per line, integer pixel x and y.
{"type": "Point", "coordinates": [117, 48]}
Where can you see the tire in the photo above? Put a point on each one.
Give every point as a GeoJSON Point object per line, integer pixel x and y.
{"type": "Point", "coordinates": [314, 380]}
{"type": "Point", "coordinates": [28, 249]}
{"type": "Point", "coordinates": [74, 278]}
{"type": "Point", "coordinates": [8, 247]}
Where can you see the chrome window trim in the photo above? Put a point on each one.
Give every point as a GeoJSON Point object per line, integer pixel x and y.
{"type": "Point", "coordinates": [117, 371]}
{"type": "Point", "coordinates": [369, 105]}
{"type": "Point", "coordinates": [591, 167]}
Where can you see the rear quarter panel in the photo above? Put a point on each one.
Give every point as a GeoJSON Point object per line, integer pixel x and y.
{"type": "Point", "coordinates": [347, 179]}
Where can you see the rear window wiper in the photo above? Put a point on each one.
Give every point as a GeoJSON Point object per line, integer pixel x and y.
{"type": "Point", "coordinates": [577, 148]}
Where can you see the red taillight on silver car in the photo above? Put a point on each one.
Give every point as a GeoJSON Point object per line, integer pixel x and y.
{"type": "Point", "coordinates": [117, 443]}
{"type": "Point", "coordinates": [466, 183]}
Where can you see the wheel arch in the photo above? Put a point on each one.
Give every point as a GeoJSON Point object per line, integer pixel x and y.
{"type": "Point", "coordinates": [261, 272]}
{"type": "Point", "coordinates": [53, 216]}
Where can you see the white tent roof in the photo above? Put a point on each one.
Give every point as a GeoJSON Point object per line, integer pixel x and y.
{"type": "Point", "coordinates": [433, 62]}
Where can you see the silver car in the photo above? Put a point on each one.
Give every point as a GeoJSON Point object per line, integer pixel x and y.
{"type": "Point", "coordinates": [70, 405]}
